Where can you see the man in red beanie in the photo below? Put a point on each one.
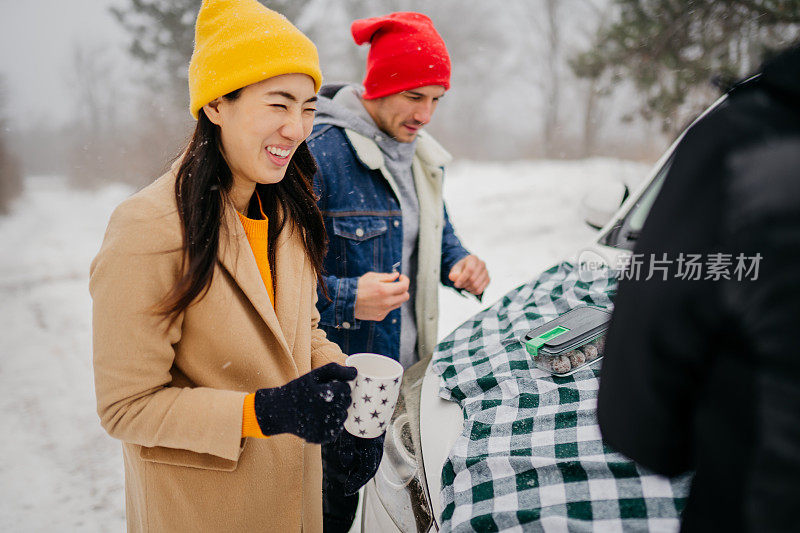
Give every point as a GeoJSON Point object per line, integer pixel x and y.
{"type": "Point", "coordinates": [380, 187]}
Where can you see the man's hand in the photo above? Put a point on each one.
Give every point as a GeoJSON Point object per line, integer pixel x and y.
{"type": "Point", "coordinates": [470, 274]}
{"type": "Point", "coordinates": [378, 293]}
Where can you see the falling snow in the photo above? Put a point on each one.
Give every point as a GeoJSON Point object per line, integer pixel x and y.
{"type": "Point", "coordinates": [519, 217]}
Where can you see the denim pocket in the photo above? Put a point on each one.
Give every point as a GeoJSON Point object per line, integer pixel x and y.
{"type": "Point", "coordinates": [359, 228]}
{"type": "Point", "coordinates": [357, 243]}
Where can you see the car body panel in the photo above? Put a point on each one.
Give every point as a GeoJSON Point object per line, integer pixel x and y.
{"type": "Point", "coordinates": [374, 516]}
{"type": "Point", "coordinates": [441, 422]}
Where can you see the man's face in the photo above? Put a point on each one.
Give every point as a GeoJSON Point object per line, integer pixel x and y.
{"type": "Point", "coordinates": [402, 115]}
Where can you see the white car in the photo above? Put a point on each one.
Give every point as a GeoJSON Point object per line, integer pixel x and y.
{"type": "Point", "coordinates": [404, 495]}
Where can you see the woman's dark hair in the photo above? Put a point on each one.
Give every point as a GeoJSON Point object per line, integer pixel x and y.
{"type": "Point", "coordinates": [202, 189]}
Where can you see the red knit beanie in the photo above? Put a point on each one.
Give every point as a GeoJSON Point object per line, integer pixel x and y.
{"type": "Point", "coordinates": [405, 52]}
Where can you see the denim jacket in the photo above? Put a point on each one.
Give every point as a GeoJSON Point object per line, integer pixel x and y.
{"type": "Point", "coordinates": [362, 216]}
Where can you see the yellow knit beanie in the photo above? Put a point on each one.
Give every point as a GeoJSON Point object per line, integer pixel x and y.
{"type": "Point", "coordinates": [240, 42]}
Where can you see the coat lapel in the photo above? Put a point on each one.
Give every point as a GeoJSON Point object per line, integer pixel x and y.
{"type": "Point", "coordinates": [237, 258]}
{"type": "Point", "coordinates": [290, 275]}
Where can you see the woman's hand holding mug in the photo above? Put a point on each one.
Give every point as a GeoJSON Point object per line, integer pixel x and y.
{"type": "Point", "coordinates": [313, 406]}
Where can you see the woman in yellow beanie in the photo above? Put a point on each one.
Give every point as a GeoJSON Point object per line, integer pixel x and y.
{"type": "Point", "coordinates": [209, 365]}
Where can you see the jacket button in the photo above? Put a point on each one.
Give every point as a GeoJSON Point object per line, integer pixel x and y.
{"type": "Point", "coordinates": [394, 321]}
{"type": "Point", "coordinates": [346, 325]}
{"type": "Point", "coordinates": [359, 232]}
{"type": "Point", "coordinates": [396, 223]}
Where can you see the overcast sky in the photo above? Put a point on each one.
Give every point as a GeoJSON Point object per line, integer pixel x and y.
{"type": "Point", "coordinates": [37, 40]}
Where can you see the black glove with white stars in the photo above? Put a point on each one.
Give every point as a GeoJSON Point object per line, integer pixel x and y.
{"type": "Point", "coordinates": [313, 406]}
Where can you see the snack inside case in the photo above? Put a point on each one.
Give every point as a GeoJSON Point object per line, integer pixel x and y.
{"type": "Point", "coordinates": [570, 342]}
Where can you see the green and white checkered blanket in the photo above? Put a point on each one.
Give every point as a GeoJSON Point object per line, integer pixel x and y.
{"type": "Point", "coordinates": [531, 457]}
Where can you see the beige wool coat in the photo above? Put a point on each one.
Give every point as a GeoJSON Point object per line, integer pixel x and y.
{"type": "Point", "coordinates": [174, 395]}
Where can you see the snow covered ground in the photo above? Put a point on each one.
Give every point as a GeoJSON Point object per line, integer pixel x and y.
{"type": "Point", "coordinates": [521, 218]}
{"type": "Point", "coordinates": [60, 471]}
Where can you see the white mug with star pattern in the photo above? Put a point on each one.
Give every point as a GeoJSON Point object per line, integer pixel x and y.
{"type": "Point", "coordinates": [374, 392]}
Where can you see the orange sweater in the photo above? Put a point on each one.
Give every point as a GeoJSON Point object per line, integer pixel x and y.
{"type": "Point", "coordinates": [257, 236]}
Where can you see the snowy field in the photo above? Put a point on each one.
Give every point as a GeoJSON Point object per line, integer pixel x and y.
{"type": "Point", "coordinates": [60, 471]}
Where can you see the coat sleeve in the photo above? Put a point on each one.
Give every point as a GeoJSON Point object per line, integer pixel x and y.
{"type": "Point", "coordinates": [452, 250]}
{"type": "Point", "coordinates": [323, 351]}
{"type": "Point", "coordinates": [137, 265]}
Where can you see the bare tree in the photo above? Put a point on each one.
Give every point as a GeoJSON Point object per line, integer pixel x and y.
{"type": "Point", "coordinates": [10, 174]}
{"type": "Point", "coordinates": [596, 82]}
{"type": "Point", "coordinates": [105, 145]}
{"type": "Point", "coordinates": [539, 45]}
{"type": "Point", "coordinates": [162, 38]}
{"type": "Point", "coordinates": [553, 75]}
{"type": "Point", "coordinates": [96, 93]}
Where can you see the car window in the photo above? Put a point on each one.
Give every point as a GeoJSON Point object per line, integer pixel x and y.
{"type": "Point", "coordinates": [625, 232]}
{"type": "Point", "coordinates": [640, 211]}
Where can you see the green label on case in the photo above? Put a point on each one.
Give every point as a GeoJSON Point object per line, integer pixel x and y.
{"type": "Point", "coordinates": [533, 345]}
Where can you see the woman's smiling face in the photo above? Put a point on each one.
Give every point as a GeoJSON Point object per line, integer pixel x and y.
{"type": "Point", "coordinates": [261, 129]}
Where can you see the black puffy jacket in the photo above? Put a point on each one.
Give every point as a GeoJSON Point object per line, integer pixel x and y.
{"type": "Point", "coordinates": [705, 375]}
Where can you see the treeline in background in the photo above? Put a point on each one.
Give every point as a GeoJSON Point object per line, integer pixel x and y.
{"type": "Point", "coordinates": [531, 78]}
